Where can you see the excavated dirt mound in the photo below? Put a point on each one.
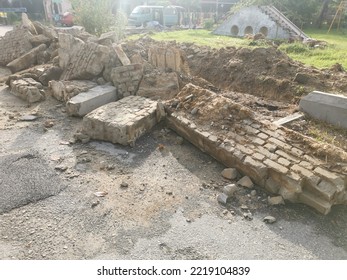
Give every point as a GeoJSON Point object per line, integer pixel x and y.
{"type": "Point", "coordinates": [261, 71]}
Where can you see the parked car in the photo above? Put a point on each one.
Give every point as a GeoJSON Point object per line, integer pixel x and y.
{"type": "Point", "coordinates": [166, 16]}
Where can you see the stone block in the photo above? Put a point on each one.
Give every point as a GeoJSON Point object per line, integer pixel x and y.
{"type": "Point", "coordinates": [245, 182]}
{"type": "Point", "coordinates": [85, 102]}
{"type": "Point", "coordinates": [121, 54]}
{"type": "Point", "coordinates": [275, 200]}
{"type": "Point", "coordinates": [121, 122]}
{"type": "Point", "coordinates": [326, 107]}
{"type": "Point", "coordinates": [315, 202]}
{"type": "Point", "coordinates": [230, 173]}
{"type": "Point", "coordinates": [27, 60]}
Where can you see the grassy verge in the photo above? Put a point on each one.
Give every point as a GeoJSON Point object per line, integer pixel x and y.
{"type": "Point", "coordinates": [334, 53]}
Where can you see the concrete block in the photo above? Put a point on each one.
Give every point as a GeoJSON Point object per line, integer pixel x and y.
{"type": "Point", "coordinates": [88, 101]}
{"type": "Point", "coordinates": [121, 122]}
{"type": "Point", "coordinates": [326, 107]}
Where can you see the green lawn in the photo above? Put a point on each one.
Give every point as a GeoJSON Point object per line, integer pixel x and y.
{"type": "Point", "coordinates": [335, 52]}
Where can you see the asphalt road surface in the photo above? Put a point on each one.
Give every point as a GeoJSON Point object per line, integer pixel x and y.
{"type": "Point", "coordinates": [166, 210]}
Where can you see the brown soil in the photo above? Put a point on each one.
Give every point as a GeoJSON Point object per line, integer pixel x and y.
{"type": "Point", "coordinates": [265, 80]}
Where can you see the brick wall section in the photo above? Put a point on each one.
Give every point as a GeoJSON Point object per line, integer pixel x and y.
{"type": "Point", "coordinates": [168, 58]}
{"type": "Point", "coordinates": [272, 156]}
{"type": "Point", "coordinates": [123, 121]}
{"type": "Point", "coordinates": [14, 44]}
{"type": "Point", "coordinates": [127, 79]}
{"type": "Point", "coordinates": [81, 60]}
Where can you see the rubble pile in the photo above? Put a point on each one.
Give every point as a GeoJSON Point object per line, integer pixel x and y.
{"type": "Point", "coordinates": [119, 90]}
{"type": "Point", "coordinates": [281, 161]}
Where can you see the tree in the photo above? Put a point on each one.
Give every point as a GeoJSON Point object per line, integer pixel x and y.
{"type": "Point", "coordinates": [300, 12]}
{"type": "Point", "coordinates": [94, 15]}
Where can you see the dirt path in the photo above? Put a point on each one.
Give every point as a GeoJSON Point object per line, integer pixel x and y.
{"type": "Point", "coordinates": [167, 208]}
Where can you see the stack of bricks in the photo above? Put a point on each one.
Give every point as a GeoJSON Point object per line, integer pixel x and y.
{"type": "Point", "coordinates": [272, 156]}
{"type": "Point", "coordinates": [14, 44]}
{"type": "Point", "coordinates": [127, 79]}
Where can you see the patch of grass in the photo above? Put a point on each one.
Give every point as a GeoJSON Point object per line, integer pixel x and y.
{"type": "Point", "coordinates": [200, 37]}
{"type": "Point", "coordinates": [334, 52]}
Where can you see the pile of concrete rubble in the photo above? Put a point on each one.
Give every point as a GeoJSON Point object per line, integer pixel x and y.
{"type": "Point", "coordinates": [115, 88]}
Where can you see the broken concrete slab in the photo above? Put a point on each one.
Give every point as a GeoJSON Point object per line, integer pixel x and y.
{"type": "Point", "coordinates": [123, 121]}
{"type": "Point", "coordinates": [121, 54]}
{"type": "Point", "coordinates": [65, 90]}
{"type": "Point", "coordinates": [27, 89]}
{"type": "Point", "coordinates": [27, 60]}
{"type": "Point", "coordinates": [327, 107]}
{"type": "Point", "coordinates": [81, 60]}
{"type": "Point", "coordinates": [85, 102]}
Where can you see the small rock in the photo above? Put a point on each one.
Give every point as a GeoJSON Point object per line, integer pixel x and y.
{"type": "Point", "coordinates": [225, 212]}
{"type": "Point", "coordinates": [194, 111]}
{"type": "Point", "coordinates": [124, 185]}
{"type": "Point", "coordinates": [103, 165]}
{"type": "Point", "coordinates": [222, 198]}
{"type": "Point", "coordinates": [269, 220]}
{"type": "Point", "coordinates": [253, 193]}
{"type": "Point", "coordinates": [188, 220]}
{"type": "Point", "coordinates": [28, 118]}
{"type": "Point", "coordinates": [179, 140]}
{"type": "Point", "coordinates": [48, 124]}
{"type": "Point", "coordinates": [110, 167]}
{"type": "Point", "coordinates": [276, 200]}
{"type": "Point", "coordinates": [61, 168]}
{"type": "Point", "coordinates": [230, 173]}
{"type": "Point", "coordinates": [100, 194]}
{"type": "Point", "coordinates": [244, 207]}
{"type": "Point", "coordinates": [95, 203]}
{"type": "Point", "coordinates": [245, 182]}
{"type": "Point", "coordinates": [169, 192]}
{"type": "Point", "coordinates": [248, 216]}
{"type": "Point", "coordinates": [229, 190]}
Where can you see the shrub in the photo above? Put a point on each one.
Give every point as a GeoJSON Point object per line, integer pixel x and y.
{"type": "Point", "coordinates": [208, 24]}
{"type": "Point", "coordinates": [94, 15]}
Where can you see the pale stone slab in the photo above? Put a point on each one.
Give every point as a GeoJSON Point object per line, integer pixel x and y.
{"type": "Point", "coordinates": [122, 122]}
{"type": "Point", "coordinates": [88, 101]}
{"type": "Point", "coordinates": [326, 107]}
